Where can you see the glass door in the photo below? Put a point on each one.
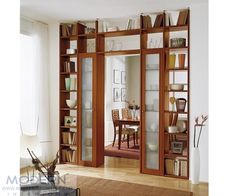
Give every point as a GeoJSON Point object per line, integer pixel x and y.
{"type": "Point", "coordinates": [87, 109]}
{"type": "Point", "coordinates": [151, 63]}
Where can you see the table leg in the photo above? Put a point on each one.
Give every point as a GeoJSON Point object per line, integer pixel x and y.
{"type": "Point", "coordinates": [119, 135]}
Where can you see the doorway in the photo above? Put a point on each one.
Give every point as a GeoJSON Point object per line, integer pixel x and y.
{"type": "Point", "coordinates": [122, 89]}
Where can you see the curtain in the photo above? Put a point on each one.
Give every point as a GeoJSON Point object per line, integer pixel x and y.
{"type": "Point", "coordinates": [36, 121]}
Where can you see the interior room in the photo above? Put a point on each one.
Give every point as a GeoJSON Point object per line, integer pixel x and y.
{"type": "Point", "coordinates": [110, 96]}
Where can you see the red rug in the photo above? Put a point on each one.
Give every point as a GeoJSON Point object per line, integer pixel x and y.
{"type": "Point", "coordinates": [132, 152]}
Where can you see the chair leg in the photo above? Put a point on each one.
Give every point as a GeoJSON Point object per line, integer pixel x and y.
{"type": "Point", "coordinates": [114, 139]}
{"type": "Point", "coordinates": [134, 138]}
{"type": "Point", "coordinates": [128, 140]}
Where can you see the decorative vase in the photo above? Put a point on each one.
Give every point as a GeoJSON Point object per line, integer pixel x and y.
{"type": "Point", "coordinates": [181, 58]}
{"type": "Point", "coordinates": [196, 166]}
{"type": "Point", "coordinates": [172, 58]}
{"type": "Point", "coordinates": [67, 83]}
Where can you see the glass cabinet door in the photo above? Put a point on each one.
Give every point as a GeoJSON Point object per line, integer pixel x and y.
{"type": "Point", "coordinates": [151, 109]}
{"type": "Point", "coordinates": [87, 105]}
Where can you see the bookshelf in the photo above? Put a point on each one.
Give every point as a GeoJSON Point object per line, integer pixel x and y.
{"type": "Point", "coordinates": [90, 42]}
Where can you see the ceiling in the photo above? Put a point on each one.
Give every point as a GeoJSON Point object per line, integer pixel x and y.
{"type": "Point", "coordinates": [70, 10]}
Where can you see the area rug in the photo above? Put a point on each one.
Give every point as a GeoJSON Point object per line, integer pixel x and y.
{"type": "Point", "coordinates": [90, 186]}
{"type": "Point", "coordinates": [131, 153]}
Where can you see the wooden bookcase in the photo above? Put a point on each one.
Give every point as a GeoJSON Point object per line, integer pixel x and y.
{"type": "Point", "coordinates": [154, 159]}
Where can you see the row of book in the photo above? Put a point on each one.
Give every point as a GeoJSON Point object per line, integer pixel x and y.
{"type": "Point", "coordinates": [69, 66]}
{"type": "Point", "coordinates": [68, 138]}
{"type": "Point", "coordinates": [68, 155]}
{"type": "Point", "coordinates": [68, 30]}
{"type": "Point", "coordinates": [177, 166]}
{"type": "Point", "coordinates": [147, 21]}
{"type": "Point", "coordinates": [172, 18]}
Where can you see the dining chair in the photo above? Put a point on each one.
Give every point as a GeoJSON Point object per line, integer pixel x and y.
{"type": "Point", "coordinates": [124, 131]}
{"type": "Point", "coordinates": [136, 129]}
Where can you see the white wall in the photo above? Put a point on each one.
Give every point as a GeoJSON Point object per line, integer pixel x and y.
{"type": "Point", "coordinates": [198, 74]}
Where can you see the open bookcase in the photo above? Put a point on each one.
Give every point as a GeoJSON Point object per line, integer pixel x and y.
{"type": "Point", "coordinates": [164, 63]}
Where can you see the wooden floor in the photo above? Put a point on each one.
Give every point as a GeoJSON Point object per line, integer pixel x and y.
{"type": "Point", "coordinates": [127, 170]}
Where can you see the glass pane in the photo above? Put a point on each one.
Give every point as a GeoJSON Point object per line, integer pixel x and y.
{"type": "Point", "coordinates": [152, 111]}
{"type": "Point", "coordinates": [87, 68]}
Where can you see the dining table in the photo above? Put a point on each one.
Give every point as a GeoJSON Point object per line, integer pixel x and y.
{"type": "Point", "coordinates": [123, 122]}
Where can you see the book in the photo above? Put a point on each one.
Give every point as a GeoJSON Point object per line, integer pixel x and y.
{"type": "Point", "coordinates": [74, 29]}
{"type": "Point", "coordinates": [63, 30]}
{"type": "Point", "coordinates": [183, 16]}
{"type": "Point", "coordinates": [149, 21]}
{"type": "Point", "coordinates": [183, 168]}
{"type": "Point", "coordinates": [169, 166]}
{"type": "Point", "coordinates": [173, 16]}
{"type": "Point", "coordinates": [159, 21]}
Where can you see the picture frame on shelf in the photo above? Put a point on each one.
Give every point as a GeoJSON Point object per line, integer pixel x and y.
{"type": "Point", "coordinates": [123, 94]}
{"type": "Point", "coordinates": [116, 95]}
{"type": "Point", "coordinates": [123, 77]}
{"type": "Point", "coordinates": [177, 147]}
{"type": "Point", "coordinates": [116, 76]}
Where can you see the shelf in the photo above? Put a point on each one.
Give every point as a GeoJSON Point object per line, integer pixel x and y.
{"type": "Point", "coordinates": [171, 155]}
{"type": "Point", "coordinates": [167, 111]}
{"type": "Point", "coordinates": [151, 49]}
{"type": "Point", "coordinates": [88, 36]}
{"type": "Point", "coordinates": [177, 69]}
{"type": "Point", "coordinates": [68, 127]}
{"type": "Point", "coordinates": [174, 176]}
{"type": "Point", "coordinates": [68, 108]}
{"type": "Point", "coordinates": [70, 145]}
{"type": "Point", "coordinates": [87, 53]}
{"type": "Point", "coordinates": [69, 55]}
{"type": "Point", "coordinates": [176, 28]}
{"type": "Point", "coordinates": [183, 91]}
{"type": "Point", "coordinates": [121, 52]}
{"type": "Point", "coordinates": [120, 33]}
{"type": "Point", "coordinates": [182, 134]}
{"type": "Point", "coordinates": [153, 30]}
{"type": "Point", "coordinates": [68, 91]}
{"type": "Point", "coordinates": [72, 37]}
{"type": "Point", "coordinates": [176, 48]}
{"type": "Point", "coordinates": [68, 73]}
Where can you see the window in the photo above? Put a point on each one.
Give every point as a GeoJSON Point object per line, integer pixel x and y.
{"type": "Point", "coordinates": [28, 115]}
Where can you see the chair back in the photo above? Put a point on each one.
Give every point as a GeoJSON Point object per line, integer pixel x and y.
{"type": "Point", "coordinates": [115, 117]}
{"type": "Point", "coordinates": [126, 113]}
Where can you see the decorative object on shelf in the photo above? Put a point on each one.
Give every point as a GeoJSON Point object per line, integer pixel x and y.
{"type": "Point", "coordinates": [177, 42]}
{"type": "Point", "coordinates": [176, 87]}
{"type": "Point", "coordinates": [89, 30]}
{"type": "Point", "coordinates": [180, 104]}
{"type": "Point", "coordinates": [123, 94]}
{"type": "Point", "coordinates": [68, 120]}
{"type": "Point", "coordinates": [177, 147]}
{"type": "Point", "coordinates": [71, 103]}
{"type": "Point", "coordinates": [116, 95]}
{"type": "Point", "coordinates": [67, 83]}
{"type": "Point", "coordinates": [182, 124]}
{"type": "Point", "coordinates": [152, 147]}
{"type": "Point", "coordinates": [172, 129]}
{"type": "Point", "coordinates": [49, 172]}
{"type": "Point", "coordinates": [70, 51]}
{"type": "Point", "coordinates": [110, 44]}
{"type": "Point", "coordinates": [73, 83]}
{"type": "Point", "coordinates": [181, 58]}
{"type": "Point", "coordinates": [123, 77]}
{"type": "Point", "coordinates": [116, 76]}
{"type": "Point", "coordinates": [172, 101]}
{"type": "Point", "coordinates": [172, 58]}
{"type": "Point", "coordinates": [74, 121]}
{"type": "Point", "coordinates": [199, 123]}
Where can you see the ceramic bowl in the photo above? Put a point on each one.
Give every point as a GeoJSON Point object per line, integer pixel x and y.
{"type": "Point", "coordinates": [71, 103]}
{"type": "Point", "coordinates": [172, 129]}
{"type": "Point", "coordinates": [177, 87]}
{"type": "Point", "coordinates": [152, 147]}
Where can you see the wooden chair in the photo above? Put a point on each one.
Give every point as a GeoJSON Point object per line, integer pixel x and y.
{"type": "Point", "coordinates": [127, 115]}
{"type": "Point", "coordinates": [125, 131]}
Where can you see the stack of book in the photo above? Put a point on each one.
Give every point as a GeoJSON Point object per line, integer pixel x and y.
{"type": "Point", "coordinates": [69, 66]}
{"type": "Point", "coordinates": [183, 16]}
{"type": "Point", "coordinates": [159, 21]}
{"type": "Point", "coordinates": [177, 166]}
{"type": "Point", "coordinates": [68, 155]}
{"type": "Point", "coordinates": [68, 30]}
{"type": "Point", "coordinates": [147, 22]}
{"type": "Point", "coordinates": [68, 138]}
